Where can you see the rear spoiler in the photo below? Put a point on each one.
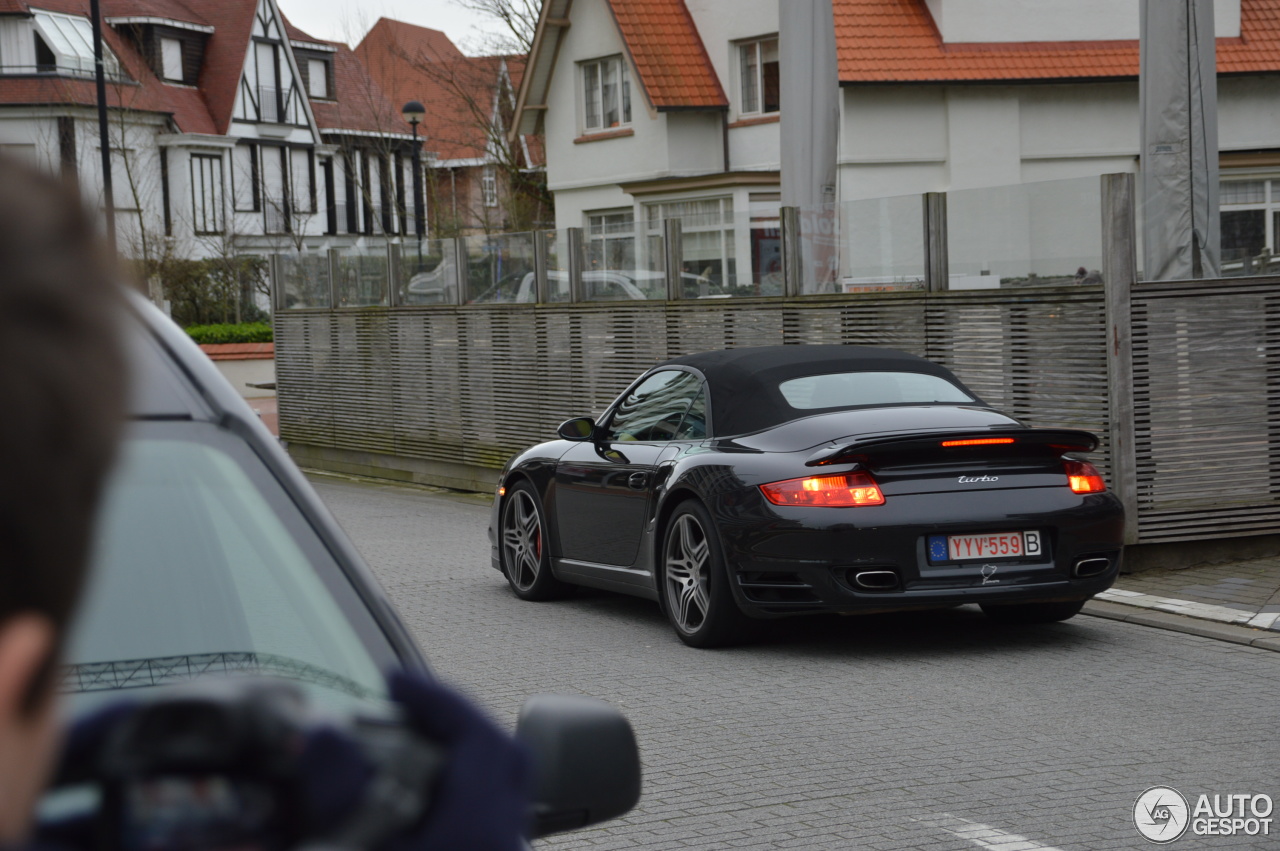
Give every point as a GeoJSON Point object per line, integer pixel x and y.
{"type": "Point", "coordinates": [1060, 439]}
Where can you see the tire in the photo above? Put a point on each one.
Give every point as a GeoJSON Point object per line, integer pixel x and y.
{"type": "Point", "coordinates": [522, 536]}
{"type": "Point", "coordinates": [694, 584]}
{"type": "Point", "coordinates": [1027, 613]}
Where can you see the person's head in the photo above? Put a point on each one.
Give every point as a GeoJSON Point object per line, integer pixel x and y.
{"type": "Point", "coordinates": [62, 378]}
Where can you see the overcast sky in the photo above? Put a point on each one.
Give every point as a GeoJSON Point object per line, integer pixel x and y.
{"type": "Point", "coordinates": [349, 20]}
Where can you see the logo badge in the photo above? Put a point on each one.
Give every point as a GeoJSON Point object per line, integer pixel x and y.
{"type": "Point", "coordinates": [1161, 814]}
{"type": "Point", "coordinates": [988, 571]}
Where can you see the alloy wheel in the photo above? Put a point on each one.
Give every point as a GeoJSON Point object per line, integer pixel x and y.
{"type": "Point", "coordinates": [687, 574]}
{"type": "Point", "coordinates": [522, 540]}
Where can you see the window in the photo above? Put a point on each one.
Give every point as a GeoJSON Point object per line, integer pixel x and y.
{"type": "Point", "coordinates": [244, 177]}
{"type": "Point", "coordinates": [851, 389]}
{"type": "Point", "coordinates": [1250, 219]}
{"type": "Point", "coordinates": [269, 96]}
{"type": "Point", "coordinates": [655, 410]}
{"type": "Point", "coordinates": [759, 65]}
{"type": "Point", "coordinates": [708, 235]}
{"type": "Point", "coordinates": [206, 193]}
{"type": "Point", "coordinates": [302, 179]}
{"type": "Point", "coordinates": [611, 240]}
{"type": "Point", "coordinates": [766, 242]}
{"type": "Point", "coordinates": [65, 43]}
{"type": "Point", "coordinates": [489, 188]}
{"type": "Point", "coordinates": [171, 59]}
{"type": "Point", "coordinates": [318, 78]}
{"type": "Point", "coordinates": [606, 94]}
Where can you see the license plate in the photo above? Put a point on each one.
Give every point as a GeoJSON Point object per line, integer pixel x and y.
{"type": "Point", "coordinates": [984, 547]}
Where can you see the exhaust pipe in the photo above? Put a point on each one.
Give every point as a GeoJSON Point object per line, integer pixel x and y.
{"type": "Point", "coordinates": [1092, 566]}
{"type": "Point", "coordinates": [876, 580]}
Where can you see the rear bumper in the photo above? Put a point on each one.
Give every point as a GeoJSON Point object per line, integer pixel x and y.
{"type": "Point", "coordinates": [807, 560]}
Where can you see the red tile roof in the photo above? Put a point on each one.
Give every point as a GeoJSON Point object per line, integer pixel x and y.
{"type": "Point", "coordinates": [415, 63]}
{"type": "Point", "coordinates": [360, 103]}
{"type": "Point", "coordinates": [669, 55]}
{"type": "Point", "coordinates": [146, 93]}
{"type": "Point", "coordinates": [896, 41]}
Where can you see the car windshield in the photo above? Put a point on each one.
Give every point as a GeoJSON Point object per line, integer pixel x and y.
{"type": "Point", "coordinates": [850, 389]}
{"type": "Point", "coordinates": [204, 565]}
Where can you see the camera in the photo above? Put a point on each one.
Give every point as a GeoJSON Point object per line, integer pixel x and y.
{"type": "Point", "coordinates": [223, 764]}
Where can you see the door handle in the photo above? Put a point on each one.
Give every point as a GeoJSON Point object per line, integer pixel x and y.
{"type": "Point", "coordinates": [637, 481]}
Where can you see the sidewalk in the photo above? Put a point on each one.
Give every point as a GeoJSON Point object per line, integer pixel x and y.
{"type": "Point", "coordinates": [1237, 602]}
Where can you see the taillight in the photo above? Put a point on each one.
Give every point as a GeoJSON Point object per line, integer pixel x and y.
{"type": "Point", "coordinates": [1083, 477]}
{"type": "Point", "coordinates": [845, 489]}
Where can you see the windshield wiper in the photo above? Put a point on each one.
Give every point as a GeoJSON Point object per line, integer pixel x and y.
{"type": "Point", "coordinates": [166, 670]}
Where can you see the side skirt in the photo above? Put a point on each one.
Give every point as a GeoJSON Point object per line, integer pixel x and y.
{"type": "Point", "coordinates": [606, 577]}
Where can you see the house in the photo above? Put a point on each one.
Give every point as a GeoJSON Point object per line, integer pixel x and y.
{"type": "Point", "coordinates": [657, 109]}
{"type": "Point", "coordinates": [231, 131]}
{"type": "Point", "coordinates": [477, 180]}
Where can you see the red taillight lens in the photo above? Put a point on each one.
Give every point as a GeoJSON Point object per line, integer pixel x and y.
{"type": "Point", "coordinates": [1083, 477]}
{"type": "Point", "coordinates": [845, 489]}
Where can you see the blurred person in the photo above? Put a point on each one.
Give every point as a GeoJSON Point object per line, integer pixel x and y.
{"type": "Point", "coordinates": [62, 408]}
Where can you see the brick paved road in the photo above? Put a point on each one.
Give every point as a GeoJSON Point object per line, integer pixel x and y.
{"type": "Point", "coordinates": [882, 732]}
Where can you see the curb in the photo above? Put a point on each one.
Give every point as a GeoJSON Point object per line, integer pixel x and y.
{"type": "Point", "coordinates": [1262, 639]}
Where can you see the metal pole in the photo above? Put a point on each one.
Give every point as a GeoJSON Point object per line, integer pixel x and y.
{"type": "Point", "coordinates": [419, 215]}
{"type": "Point", "coordinates": [792, 263]}
{"type": "Point", "coordinates": [104, 138]}
{"type": "Point", "coordinates": [937, 265]}
{"type": "Point", "coordinates": [577, 261]}
{"type": "Point", "coordinates": [462, 269]}
{"type": "Point", "coordinates": [1119, 272]}
{"type": "Point", "coordinates": [540, 252]}
{"type": "Point", "coordinates": [673, 247]}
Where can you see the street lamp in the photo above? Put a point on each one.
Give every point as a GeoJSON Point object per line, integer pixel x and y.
{"type": "Point", "coordinates": [413, 112]}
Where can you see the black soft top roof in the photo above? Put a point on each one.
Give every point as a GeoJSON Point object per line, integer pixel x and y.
{"type": "Point", "coordinates": [744, 382]}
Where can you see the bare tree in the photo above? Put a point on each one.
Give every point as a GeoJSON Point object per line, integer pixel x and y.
{"type": "Point", "coordinates": [518, 17]}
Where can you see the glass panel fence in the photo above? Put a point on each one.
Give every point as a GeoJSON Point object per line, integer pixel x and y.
{"type": "Point", "coordinates": [557, 266]}
{"type": "Point", "coordinates": [362, 278]}
{"type": "Point", "coordinates": [623, 261]}
{"type": "Point", "coordinates": [500, 268]}
{"type": "Point", "coordinates": [304, 280]}
{"type": "Point", "coordinates": [1029, 234]}
{"type": "Point", "coordinates": [428, 272]}
{"type": "Point", "coordinates": [869, 245]}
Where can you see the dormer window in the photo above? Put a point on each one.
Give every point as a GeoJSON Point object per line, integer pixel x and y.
{"type": "Point", "coordinates": [318, 78]}
{"type": "Point", "coordinates": [171, 59]}
{"type": "Point", "coordinates": [65, 43]}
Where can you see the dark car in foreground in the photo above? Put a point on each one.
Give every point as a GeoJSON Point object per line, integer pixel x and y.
{"type": "Point", "coordinates": [768, 482]}
{"type": "Point", "coordinates": [216, 557]}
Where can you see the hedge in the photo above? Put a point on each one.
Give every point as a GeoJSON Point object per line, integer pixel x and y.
{"type": "Point", "coordinates": [246, 332]}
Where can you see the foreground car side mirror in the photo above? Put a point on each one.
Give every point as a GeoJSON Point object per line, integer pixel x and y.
{"type": "Point", "coordinates": [586, 765]}
{"type": "Point", "coordinates": [578, 428]}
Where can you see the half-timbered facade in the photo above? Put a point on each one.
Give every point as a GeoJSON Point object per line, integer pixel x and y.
{"type": "Point", "coordinates": [231, 130]}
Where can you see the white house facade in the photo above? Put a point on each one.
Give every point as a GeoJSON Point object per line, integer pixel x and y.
{"type": "Point", "coordinates": [955, 96]}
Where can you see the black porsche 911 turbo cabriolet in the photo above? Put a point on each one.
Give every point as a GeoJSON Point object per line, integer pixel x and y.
{"type": "Point", "coordinates": [784, 480]}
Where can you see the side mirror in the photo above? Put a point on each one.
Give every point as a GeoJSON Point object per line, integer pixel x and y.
{"type": "Point", "coordinates": [578, 428]}
{"type": "Point", "coordinates": [585, 761]}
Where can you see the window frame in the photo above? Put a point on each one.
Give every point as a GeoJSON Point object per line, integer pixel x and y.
{"type": "Point", "coordinates": [202, 206]}
{"type": "Point", "coordinates": [489, 188]}
{"type": "Point", "coordinates": [166, 43]}
{"type": "Point", "coordinates": [622, 76]}
{"type": "Point", "coordinates": [1269, 206]}
{"type": "Point", "coordinates": [758, 88]}
{"type": "Point", "coordinates": [603, 238]}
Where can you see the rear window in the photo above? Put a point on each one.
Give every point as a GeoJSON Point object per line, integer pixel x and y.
{"type": "Point", "coordinates": [850, 389]}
